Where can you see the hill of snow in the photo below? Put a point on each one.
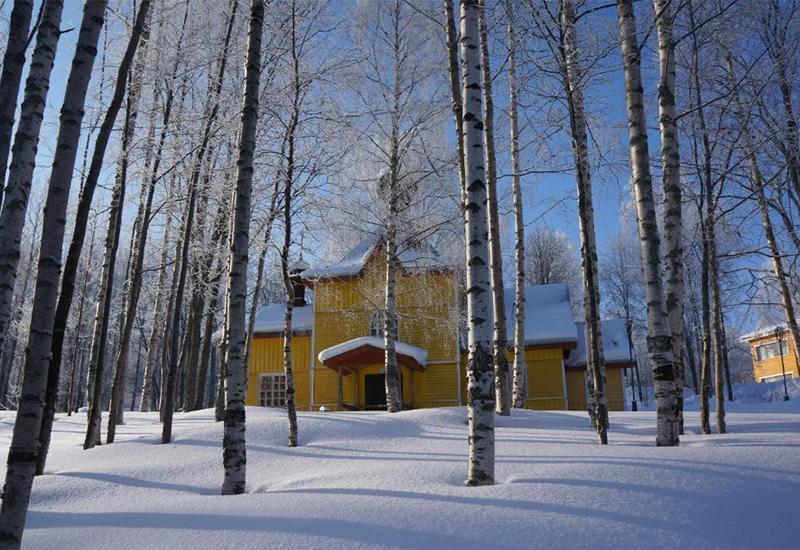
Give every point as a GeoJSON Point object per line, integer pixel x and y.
{"type": "Point", "coordinates": [369, 479]}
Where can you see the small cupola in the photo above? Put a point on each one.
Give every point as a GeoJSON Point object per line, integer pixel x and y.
{"type": "Point", "coordinates": [298, 288]}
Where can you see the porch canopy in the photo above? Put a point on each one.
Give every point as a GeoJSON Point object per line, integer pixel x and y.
{"type": "Point", "coordinates": [359, 353]}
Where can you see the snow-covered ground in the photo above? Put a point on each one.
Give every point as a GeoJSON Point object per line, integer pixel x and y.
{"type": "Point", "coordinates": [370, 479]}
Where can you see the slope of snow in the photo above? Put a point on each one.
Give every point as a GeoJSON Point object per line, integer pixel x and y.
{"type": "Point", "coordinates": [355, 260]}
{"type": "Point", "coordinates": [373, 480]}
{"type": "Point", "coordinates": [548, 315]}
{"type": "Point", "coordinates": [271, 318]}
{"type": "Point", "coordinates": [615, 344]}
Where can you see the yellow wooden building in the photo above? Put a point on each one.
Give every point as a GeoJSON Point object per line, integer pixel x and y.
{"type": "Point", "coordinates": [773, 352]}
{"type": "Point", "coordinates": [337, 345]}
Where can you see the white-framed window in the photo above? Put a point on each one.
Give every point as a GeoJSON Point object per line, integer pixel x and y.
{"type": "Point", "coordinates": [272, 390]}
{"type": "Point", "coordinates": [377, 323]}
{"type": "Point", "coordinates": [771, 350]}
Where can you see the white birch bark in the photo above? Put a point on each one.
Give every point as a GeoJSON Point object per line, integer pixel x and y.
{"type": "Point", "coordinates": [502, 379]}
{"type": "Point", "coordinates": [25, 443]}
{"type": "Point", "coordinates": [520, 386]}
{"type": "Point", "coordinates": [673, 219]}
{"type": "Point", "coordinates": [595, 365]}
{"type": "Point", "coordinates": [13, 62]}
{"type": "Point", "coordinates": [234, 452]}
{"type": "Point", "coordinates": [480, 391]}
{"type": "Point", "coordinates": [23, 155]}
{"type": "Point", "coordinates": [659, 336]}
{"type": "Point", "coordinates": [291, 407]}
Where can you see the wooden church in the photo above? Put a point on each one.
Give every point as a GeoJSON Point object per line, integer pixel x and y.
{"type": "Point", "coordinates": [337, 345]}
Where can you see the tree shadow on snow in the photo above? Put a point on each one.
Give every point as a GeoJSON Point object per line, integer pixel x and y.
{"type": "Point", "coordinates": [338, 529]}
{"type": "Point", "coordinates": [138, 482]}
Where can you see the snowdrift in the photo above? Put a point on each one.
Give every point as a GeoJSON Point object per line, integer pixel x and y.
{"type": "Point", "coordinates": [374, 480]}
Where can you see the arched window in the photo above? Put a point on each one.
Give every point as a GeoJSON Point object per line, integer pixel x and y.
{"type": "Point", "coordinates": [376, 324]}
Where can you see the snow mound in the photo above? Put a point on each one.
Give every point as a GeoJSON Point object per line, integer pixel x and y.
{"type": "Point", "coordinates": [379, 480]}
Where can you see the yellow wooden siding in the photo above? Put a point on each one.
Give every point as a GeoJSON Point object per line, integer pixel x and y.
{"type": "Point", "coordinates": [545, 379]}
{"type": "Point", "coordinates": [326, 388]}
{"type": "Point", "coordinates": [772, 366]}
{"type": "Point", "coordinates": [267, 357]}
{"type": "Point", "coordinates": [576, 390]}
{"type": "Point", "coordinates": [614, 393]}
{"type": "Point", "coordinates": [436, 387]}
{"type": "Point", "coordinates": [427, 317]}
{"type": "Point", "coordinates": [426, 308]}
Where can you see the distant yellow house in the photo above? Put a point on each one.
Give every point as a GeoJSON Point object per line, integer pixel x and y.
{"type": "Point", "coordinates": [772, 351]}
{"type": "Point", "coordinates": [337, 345]}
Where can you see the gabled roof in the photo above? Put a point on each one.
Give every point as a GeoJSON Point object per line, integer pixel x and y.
{"type": "Point", "coordinates": [354, 261]}
{"type": "Point", "coordinates": [368, 350]}
{"type": "Point", "coordinates": [615, 344]}
{"type": "Point", "coordinates": [548, 315]}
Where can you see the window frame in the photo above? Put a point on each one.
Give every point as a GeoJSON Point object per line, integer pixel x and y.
{"type": "Point", "coordinates": [275, 392]}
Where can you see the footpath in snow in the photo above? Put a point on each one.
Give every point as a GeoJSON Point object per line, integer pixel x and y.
{"type": "Point", "coordinates": [371, 480]}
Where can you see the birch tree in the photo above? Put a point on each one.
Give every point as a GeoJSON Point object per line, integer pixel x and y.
{"type": "Point", "coordinates": [520, 370]}
{"type": "Point", "coordinates": [234, 453]}
{"type": "Point", "coordinates": [25, 439]}
{"type": "Point", "coordinates": [659, 337]}
{"type": "Point", "coordinates": [23, 157]}
{"type": "Point", "coordinates": [10, 79]}
{"type": "Point", "coordinates": [479, 365]}
{"type": "Point", "coordinates": [502, 379]}
{"type": "Point", "coordinates": [595, 368]}
{"type": "Point", "coordinates": [673, 220]}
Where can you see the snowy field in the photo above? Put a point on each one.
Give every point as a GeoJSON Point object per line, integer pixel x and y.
{"type": "Point", "coordinates": [375, 480]}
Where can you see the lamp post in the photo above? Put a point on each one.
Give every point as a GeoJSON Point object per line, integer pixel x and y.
{"type": "Point", "coordinates": [779, 336]}
{"type": "Point", "coordinates": [634, 407]}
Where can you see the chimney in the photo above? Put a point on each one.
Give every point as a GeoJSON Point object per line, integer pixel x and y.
{"type": "Point", "coordinates": [298, 288]}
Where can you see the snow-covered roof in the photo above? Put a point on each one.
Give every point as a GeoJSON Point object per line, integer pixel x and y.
{"type": "Point", "coordinates": [765, 331]}
{"type": "Point", "coordinates": [417, 354]}
{"type": "Point", "coordinates": [270, 318]}
{"type": "Point", "coordinates": [615, 344]}
{"type": "Point", "coordinates": [548, 315]}
{"type": "Point", "coordinates": [355, 260]}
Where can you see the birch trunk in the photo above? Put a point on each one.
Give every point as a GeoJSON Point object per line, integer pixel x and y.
{"type": "Point", "coordinates": [138, 241]}
{"type": "Point", "coordinates": [153, 348]}
{"type": "Point", "coordinates": [394, 397]}
{"type": "Point", "coordinates": [23, 155]}
{"type": "Point", "coordinates": [233, 443]}
{"type": "Point", "coordinates": [673, 220]}
{"type": "Point", "coordinates": [13, 63]}
{"type": "Point", "coordinates": [219, 235]}
{"type": "Point", "coordinates": [502, 379]}
{"type": "Point", "coordinates": [186, 233]}
{"type": "Point", "coordinates": [24, 444]}
{"type": "Point", "coordinates": [707, 216]}
{"type": "Point", "coordinates": [97, 362]}
{"type": "Point", "coordinates": [480, 374]}
{"type": "Point", "coordinates": [705, 367]}
{"type": "Point", "coordinates": [716, 333]}
{"type": "Point", "coordinates": [659, 337]}
{"type": "Point", "coordinates": [595, 365]}
{"type": "Point", "coordinates": [520, 386]}
{"type": "Point", "coordinates": [291, 408]}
